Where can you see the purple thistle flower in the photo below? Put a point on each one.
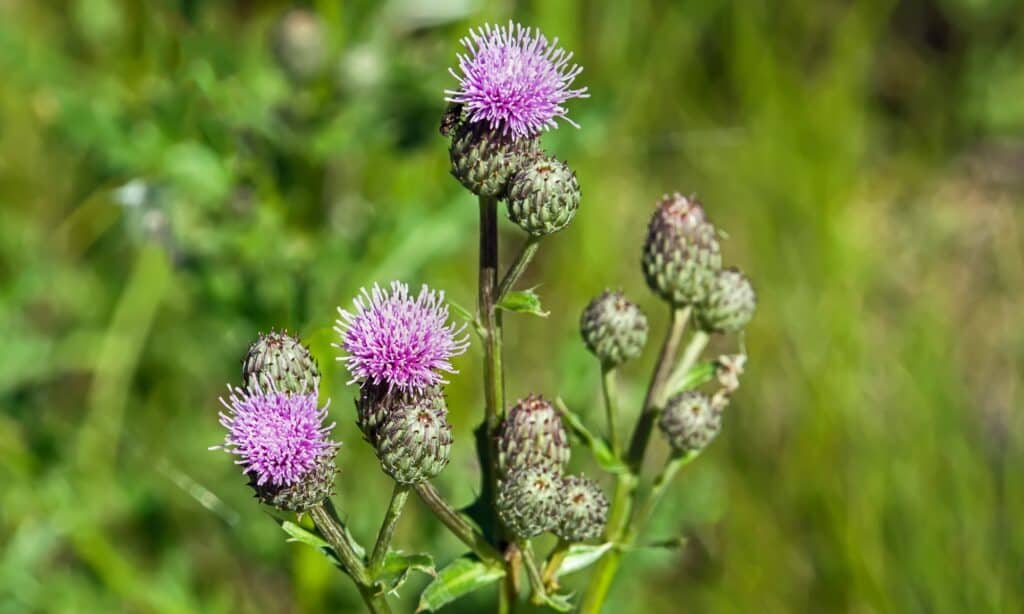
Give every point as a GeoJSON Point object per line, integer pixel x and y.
{"type": "Point", "coordinates": [399, 340]}
{"type": "Point", "coordinates": [515, 80]}
{"type": "Point", "coordinates": [279, 437]}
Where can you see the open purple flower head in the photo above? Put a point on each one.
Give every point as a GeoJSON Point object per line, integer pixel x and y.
{"type": "Point", "coordinates": [398, 340]}
{"type": "Point", "coordinates": [279, 438]}
{"type": "Point", "coordinates": [514, 79]}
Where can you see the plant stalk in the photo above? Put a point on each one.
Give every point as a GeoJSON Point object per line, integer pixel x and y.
{"type": "Point", "coordinates": [352, 562]}
{"type": "Point", "coordinates": [611, 408]}
{"type": "Point", "coordinates": [533, 572]}
{"type": "Point", "coordinates": [387, 529]}
{"type": "Point", "coordinates": [456, 523]}
{"type": "Point", "coordinates": [494, 391]}
{"type": "Point", "coordinates": [625, 483]}
{"type": "Point", "coordinates": [518, 267]}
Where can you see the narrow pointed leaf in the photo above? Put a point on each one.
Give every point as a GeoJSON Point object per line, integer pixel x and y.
{"type": "Point", "coordinates": [461, 577]}
{"type": "Point", "coordinates": [523, 301]}
{"type": "Point", "coordinates": [581, 556]}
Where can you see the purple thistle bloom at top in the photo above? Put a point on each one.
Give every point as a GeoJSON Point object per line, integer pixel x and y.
{"type": "Point", "coordinates": [515, 80]}
{"type": "Point", "coordinates": [399, 340]}
{"type": "Point", "coordinates": [279, 437]}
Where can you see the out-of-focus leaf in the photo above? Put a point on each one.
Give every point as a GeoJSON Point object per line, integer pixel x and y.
{"type": "Point", "coordinates": [581, 556]}
{"type": "Point", "coordinates": [558, 602]}
{"type": "Point", "coordinates": [461, 577]}
{"type": "Point", "coordinates": [523, 301]}
{"type": "Point", "coordinates": [602, 452]}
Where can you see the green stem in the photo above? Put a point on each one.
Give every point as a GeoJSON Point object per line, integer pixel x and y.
{"type": "Point", "coordinates": [387, 528]}
{"type": "Point", "coordinates": [494, 388]}
{"type": "Point", "coordinates": [533, 572]}
{"type": "Point", "coordinates": [656, 391]}
{"type": "Point", "coordinates": [658, 488]}
{"type": "Point", "coordinates": [625, 483]}
{"type": "Point", "coordinates": [456, 523]}
{"type": "Point", "coordinates": [518, 267]}
{"type": "Point", "coordinates": [342, 545]}
{"type": "Point", "coordinates": [611, 408]}
{"type": "Point", "coordinates": [555, 560]}
{"type": "Point", "coordinates": [698, 342]}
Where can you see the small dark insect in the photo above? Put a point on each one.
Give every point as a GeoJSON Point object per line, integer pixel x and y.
{"type": "Point", "coordinates": [451, 118]}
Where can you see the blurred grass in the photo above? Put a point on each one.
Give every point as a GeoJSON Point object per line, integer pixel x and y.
{"type": "Point", "coordinates": [166, 192]}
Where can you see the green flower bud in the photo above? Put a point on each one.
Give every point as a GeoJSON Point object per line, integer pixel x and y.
{"type": "Point", "coordinates": [278, 361]}
{"type": "Point", "coordinates": [543, 197]}
{"type": "Point", "coordinates": [689, 422]}
{"type": "Point", "coordinates": [614, 328]}
{"type": "Point", "coordinates": [484, 160]}
{"type": "Point", "coordinates": [681, 254]}
{"type": "Point", "coordinates": [528, 501]}
{"type": "Point", "coordinates": [308, 492]}
{"type": "Point", "coordinates": [583, 508]}
{"type": "Point", "coordinates": [730, 303]}
{"type": "Point", "coordinates": [415, 442]}
{"type": "Point", "coordinates": [532, 435]}
{"type": "Point", "coordinates": [299, 46]}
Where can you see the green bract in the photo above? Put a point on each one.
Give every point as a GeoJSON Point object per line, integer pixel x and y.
{"type": "Point", "coordinates": [730, 303]}
{"type": "Point", "coordinates": [484, 161]}
{"type": "Point", "coordinates": [278, 361]}
{"type": "Point", "coordinates": [528, 501]}
{"type": "Point", "coordinates": [543, 197]}
{"type": "Point", "coordinates": [614, 328]}
{"type": "Point", "coordinates": [689, 421]}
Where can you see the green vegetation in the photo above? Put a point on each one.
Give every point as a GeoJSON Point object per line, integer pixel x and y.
{"type": "Point", "coordinates": [166, 192]}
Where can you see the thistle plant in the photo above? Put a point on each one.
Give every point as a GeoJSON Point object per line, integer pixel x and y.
{"type": "Point", "coordinates": [398, 347]}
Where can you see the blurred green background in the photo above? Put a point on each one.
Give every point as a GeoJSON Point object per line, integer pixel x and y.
{"type": "Point", "coordinates": [177, 176]}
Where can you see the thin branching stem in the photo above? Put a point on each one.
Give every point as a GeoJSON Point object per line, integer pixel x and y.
{"type": "Point", "coordinates": [387, 528]}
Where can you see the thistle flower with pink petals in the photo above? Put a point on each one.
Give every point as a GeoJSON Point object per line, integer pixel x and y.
{"type": "Point", "coordinates": [515, 80]}
{"type": "Point", "coordinates": [398, 340]}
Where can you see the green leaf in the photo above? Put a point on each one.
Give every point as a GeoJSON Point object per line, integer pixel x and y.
{"type": "Point", "coordinates": [523, 301]}
{"type": "Point", "coordinates": [297, 533]}
{"type": "Point", "coordinates": [461, 577]}
{"type": "Point", "coordinates": [701, 373]}
{"type": "Point", "coordinates": [602, 452]}
{"type": "Point", "coordinates": [581, 556]}
{"type": "Point", "coordinates": [398, 565]}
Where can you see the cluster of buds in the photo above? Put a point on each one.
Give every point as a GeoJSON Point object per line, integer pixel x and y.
{"type": "Point", "coordinates": [534, 495]}
{"type": "Point", "coordinates": [682, 263]}
{"type": "Point", "coordinates": [396, 345]}
{"type": "Point", "coordinates": [512, 86]}
{"type": "Point", "coordinates": [276, 426]}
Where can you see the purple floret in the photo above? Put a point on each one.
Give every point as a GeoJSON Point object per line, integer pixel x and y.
{"type": "Point", "coordinates": [279, 437]}
{"type": "Point", "coordinates": [515, 80]}
{"type": "Point", "coordinates": [398, 340]}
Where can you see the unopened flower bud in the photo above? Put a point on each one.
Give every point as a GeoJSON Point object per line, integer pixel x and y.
{"type": "Point", "coordinates": [681, 253]}
{"type": "Point", "coordinates": [528, 501]}
{"type": "Point", "coordinates": [299, 45]}
{"type": "Point", "coordinates": [532, 435]}
{"type": "Point", "coordinates": [614, 328]}
{"type": "Point", "coordinates": [415, 443]}
{"type": "Point", "coordinates": [583, 508]}
{"type": "Point", "coordinates": [484, 160]}
{"type": "Point", "coordinates": [689, 422]}
{"type": "Point", "coordinates": [279, 362]}
{"type": "Point", "coordinates": [377, 401]}
{"type": "Point", "coordinates": [543, 197]}
{"type": "Point", "coordinates": [730, 303]}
